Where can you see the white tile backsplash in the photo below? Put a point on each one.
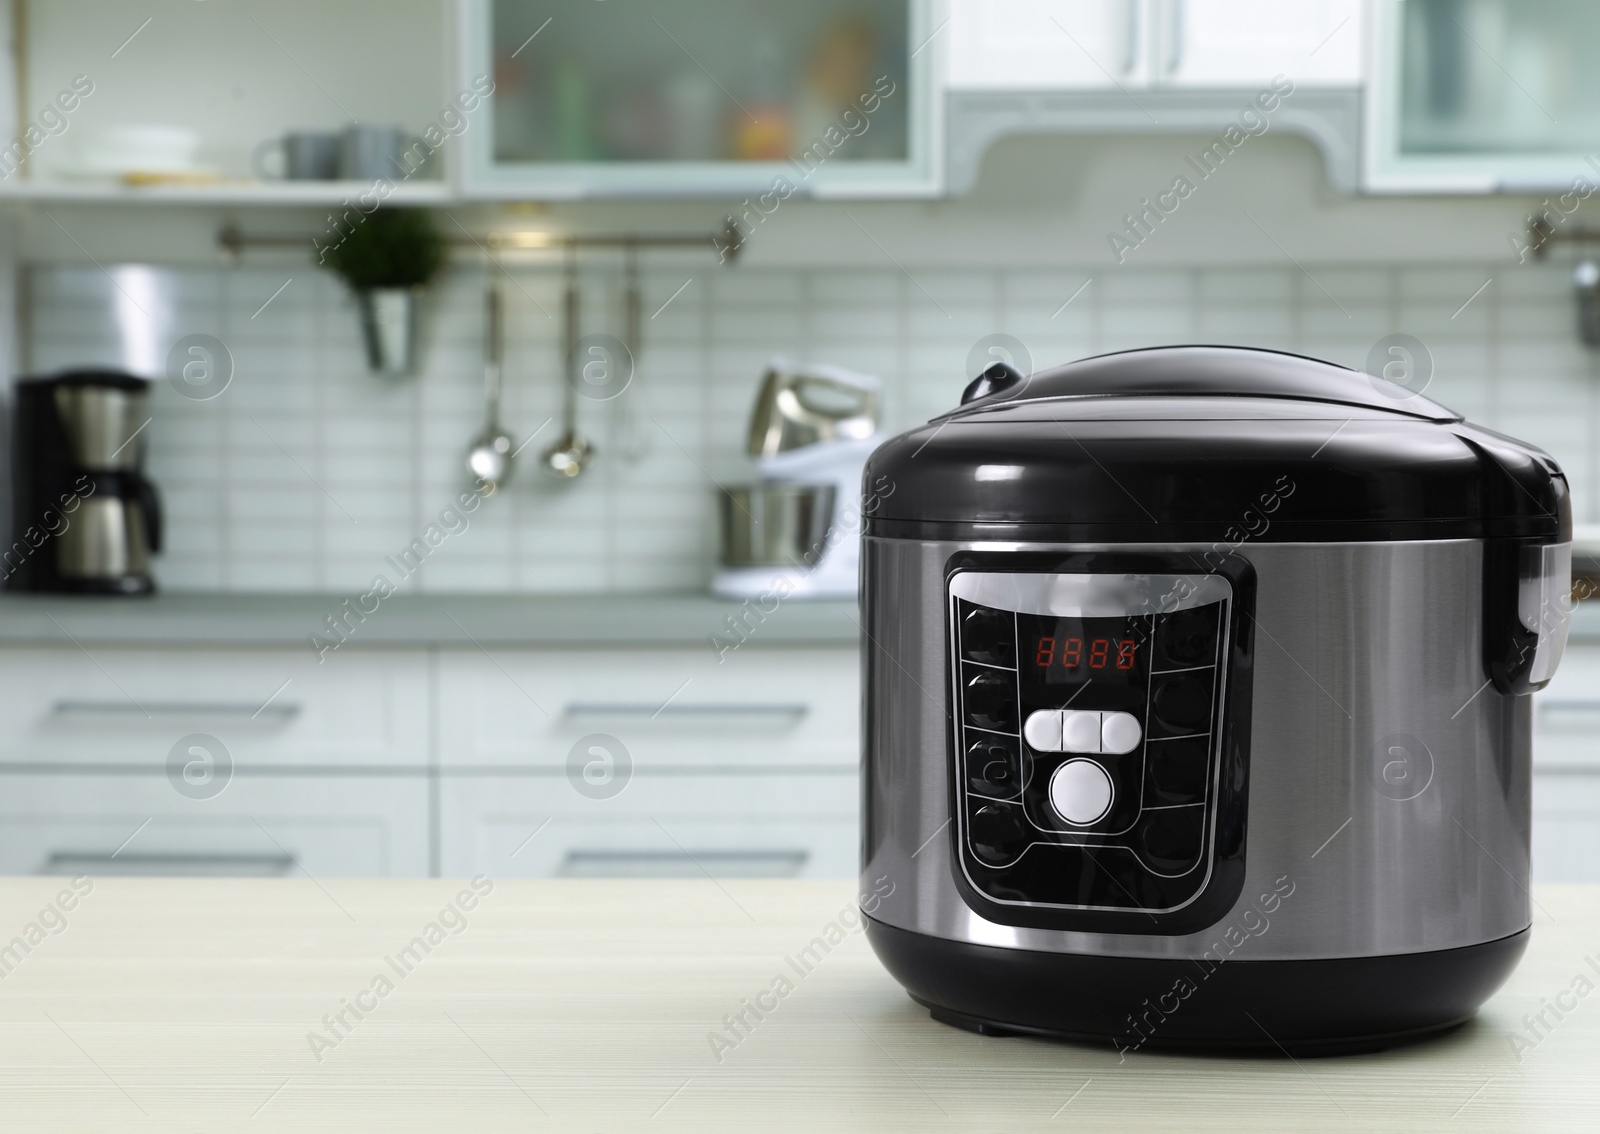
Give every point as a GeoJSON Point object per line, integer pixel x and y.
{"type": "Point", "coordinates": [308, 472]}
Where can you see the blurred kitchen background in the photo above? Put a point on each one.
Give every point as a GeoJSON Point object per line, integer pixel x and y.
{"type": "Point", "coordinates": [866, 201]}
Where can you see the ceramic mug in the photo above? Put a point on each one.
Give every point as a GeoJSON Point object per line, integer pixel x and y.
{"type": "Point", "coordinates": [308, 155]}
{"type": "Point", "coordinates": [371, 152]}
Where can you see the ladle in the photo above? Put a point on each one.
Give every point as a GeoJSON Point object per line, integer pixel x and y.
{"type": "Point", "coordinates": [571, 453]}
{"type": "Point", "coordinates": [490, 457]}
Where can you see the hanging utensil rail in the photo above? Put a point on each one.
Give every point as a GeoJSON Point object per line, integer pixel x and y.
{"type": "Point", "coordinates": [727, 242]}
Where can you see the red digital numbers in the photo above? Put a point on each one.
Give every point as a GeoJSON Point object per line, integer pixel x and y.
{"type": "Point", "coordinates": [1100, 653]}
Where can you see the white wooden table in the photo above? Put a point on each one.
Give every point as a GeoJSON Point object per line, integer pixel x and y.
{"type": "Point", "coordinates": [188, 1006]}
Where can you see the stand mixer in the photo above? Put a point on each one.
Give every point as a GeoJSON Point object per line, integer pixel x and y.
{"type": "Point", "coordinates": [797, 531]}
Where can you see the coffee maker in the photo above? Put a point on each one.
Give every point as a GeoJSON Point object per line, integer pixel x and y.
{"type": "Point", "coordinates": [84, 518]}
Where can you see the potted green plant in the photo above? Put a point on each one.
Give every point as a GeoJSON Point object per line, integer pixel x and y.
{"type": "Point", "coordinates": [387, 258]}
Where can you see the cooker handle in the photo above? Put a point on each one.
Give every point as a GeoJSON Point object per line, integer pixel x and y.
{"type": "Point", "coordinates": [997, 378]}
{"type": "Point", "coordinates": [150, 501]}
{"type": "Point", "coordinates": [1527, 591]}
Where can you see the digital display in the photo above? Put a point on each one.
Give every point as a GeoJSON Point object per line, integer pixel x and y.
{"type": "Point", "coordinates": [1105, 657]}
{"type": "Point", "coordinates": [1075, 652]}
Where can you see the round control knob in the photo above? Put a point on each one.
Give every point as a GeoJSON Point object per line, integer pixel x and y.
{"type": "Point", "coordinates": [992, 766]}
{"type": "Point", "coordinates": [997, 835]}
{"type": "Point", "coordinates": [1183, 701]}
{"type": "Point", "coordinates": [991, 701]}
{"type": "Point", "coordinates": [986, 636]}
{"type": "Point", "coordinates": [1187, 637]}
{"type": "Point", "coordinates": [1081, 792]}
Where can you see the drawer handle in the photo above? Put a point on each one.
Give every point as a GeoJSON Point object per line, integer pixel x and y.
{"type": "Point", "coordinates": [278, 713]}
{"type": "Point", "coordinates": [790, 712]}
{"type": "Point", "coordinates": [1174, 35]}
{"type": "Point", "coordinates": [99, 863]}
{"type": "Point", "coordinates": [1130, 55]}
{"type": "Point", "coordinates": [683, 864]}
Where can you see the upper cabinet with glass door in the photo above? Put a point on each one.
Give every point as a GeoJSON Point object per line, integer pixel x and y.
{"type": "Point", "coordinates": [1483, 95]}
{"type": "Point", "coordinates": [1143, 44]}
{"type": "Point", "coordinates": [701, 97]}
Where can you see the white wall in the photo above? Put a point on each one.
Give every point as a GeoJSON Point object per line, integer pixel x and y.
{"type": "Point", "coordinates": [308, 470]}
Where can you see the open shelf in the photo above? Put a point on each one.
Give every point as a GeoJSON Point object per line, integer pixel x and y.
{"type": "Point", "coordinates": [241, 192]}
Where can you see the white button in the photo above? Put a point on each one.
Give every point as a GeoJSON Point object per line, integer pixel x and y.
{"type": "Point", "coordinates": [1042, 730]}
{"type": "Point", "coordinates": [1080, 731]}
{"type": "Point", "coordinates": [1119, 732]}
{"type": "Point", "coordinates": [1081, 792]}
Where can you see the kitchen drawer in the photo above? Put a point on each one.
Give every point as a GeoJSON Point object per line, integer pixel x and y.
{"type": "Point", "coordinates": [668, 707]}
{"type": "Point", "coordinates": [135, 822]}
{"type": "Point", "coordinates": [686, 825]}
{"type": "Point", "coordinates": [266, 706]}
{"type": "Point", "coordinates": [1566, 826]}
{"type": "Point", "coordinates": [1566, 714]}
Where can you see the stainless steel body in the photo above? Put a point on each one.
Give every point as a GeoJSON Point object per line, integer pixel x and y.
{"type": "Point", "coordinates": [776, 525]}
{"type": "Point", "coordinates": [106, 538]}
{"type": "Point", "coordinates": [103, 426]}
{"type": "Point", "coordinates": [1366, 655]}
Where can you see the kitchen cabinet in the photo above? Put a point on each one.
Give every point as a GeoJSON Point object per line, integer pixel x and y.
{"type": "Point", "coordinates": [1566, 714]}
{"type": "Point", "coordinates": [671, 708]}
{"type": "Point", "coordinates": [683, 824]}
{"type": "Point", "coordinates": [1566, 766]}
{"type": "Point", "coordinates": [63, 706]}
{"type": "Point", "coordinates": [133, 822]}
{"type": "Point", "coordinates": [630, 98]}
{"type": "Point", "coordinates": [390, 761]}
{"type": "Point", "coordinates": [1050, 45]}
{"type": "Point", "coordinates": [1234, 43]}
{"type": "Point", "coordinates": [653, 761]}
{"type": "Point", "coordinates": [1490, 96]}
{"type": "Point", "coordinates": [712, 98]}
{"type": "Point", "coordinates": [1120, 67]}
{"type": "Point", "coordinates": [1136, 44]}
{"type": "Point", "coordinates": [1566, 827]}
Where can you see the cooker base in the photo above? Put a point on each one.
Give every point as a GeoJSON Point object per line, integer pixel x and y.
{"type": "Point", "coordinates": [1313, 1007]}
{"type": "Point", "coordinates": [1351, 1045]}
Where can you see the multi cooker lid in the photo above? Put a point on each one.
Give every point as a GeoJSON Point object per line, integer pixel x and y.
{"type": "Point", "coordinates": [1164, 382]}
{"type": "Point", "coordinates": [1206, 443]}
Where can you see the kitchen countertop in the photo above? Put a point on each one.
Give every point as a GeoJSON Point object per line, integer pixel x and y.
{"type": "Point", "coordinates": [667, 619]}
{"type": "Point", "coordinates": [190, 1005]}
{"type": "Point", "coordinates": [418, 620]}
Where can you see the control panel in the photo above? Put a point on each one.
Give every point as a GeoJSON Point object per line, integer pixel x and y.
{"type": "Point", "coordinates": [1089, 713]}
